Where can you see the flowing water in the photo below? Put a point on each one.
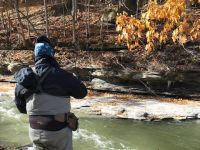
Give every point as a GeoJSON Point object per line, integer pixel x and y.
{"type": "Point", "coordinates": [107, 134]}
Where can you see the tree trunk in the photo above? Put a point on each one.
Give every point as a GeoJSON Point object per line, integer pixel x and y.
{"type": "Point", "coordinates": [46, 18]}
{"type": "Point", "coordinates": [131, 7]}
{"type": "Point", "coordinates": [20, 22]}
{"type": "Point", "coordinates": [64, 18]}
{"type": "Point", "coordinates": [29, 22]}
{"type": "Point", "coordinates": [87, 23]}
{"type": "Point", "coordinates": [27, 11]}
{"type": "Point", "coordinates": [74, 6]}
{"type": "Point", "coordinates": [2, 20]}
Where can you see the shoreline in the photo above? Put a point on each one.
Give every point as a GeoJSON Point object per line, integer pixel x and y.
{"type": "Point", "coordinates": [110, 106]}
{"type": "Point", "coordinates": [144, 108]}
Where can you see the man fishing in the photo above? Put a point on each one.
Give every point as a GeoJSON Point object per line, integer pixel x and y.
{"type": "Point", "coordinates": [44, 94]}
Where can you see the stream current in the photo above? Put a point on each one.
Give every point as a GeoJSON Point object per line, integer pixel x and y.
{"type": "Point", "coordinates": [106, 134]}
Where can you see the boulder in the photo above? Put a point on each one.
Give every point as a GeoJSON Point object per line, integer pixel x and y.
{"type": "Point", "coordinates": [109, 16]}
{"type": "Point", "coordinates": [3, 69]}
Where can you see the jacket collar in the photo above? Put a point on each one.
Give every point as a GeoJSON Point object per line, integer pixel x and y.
{"type": "Point", "coordinates": [46, 60]}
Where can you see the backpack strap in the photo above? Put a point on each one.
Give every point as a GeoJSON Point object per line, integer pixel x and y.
{"type": "Point", "coordinates": [40, 80]}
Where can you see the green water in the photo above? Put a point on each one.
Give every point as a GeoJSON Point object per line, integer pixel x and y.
{"type": "Point", "coordinates": [107, 134]}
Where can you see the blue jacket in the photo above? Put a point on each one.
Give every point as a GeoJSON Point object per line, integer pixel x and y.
{"type": "Point", "coordinates": [58, 82]}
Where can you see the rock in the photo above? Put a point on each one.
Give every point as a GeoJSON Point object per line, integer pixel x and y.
{"type": "Point", "coordinates": [109, 16]}
{"type": "Point", "coordinates": [26, 147]}
{"type": "Point", "coordinates": [77, 104]}
{"type": "Point", "coordinates": [95, 111]}
{"type": "Point", "coordinates": [2, 148]}
{"type": "Point", "coordinates": [112, 110]}
{"type": "Point", "coordinates": [3, 69]}
{"type": "Point", "coordinates": [102, 73]}
{"type": "Point", "coordinates": [127, 75]}
{"type": "Point", "coordinates": [181, 84]}
{"type": "Point", "coordinates": [151, 75]}
{"type": "Point", "coordinates": [84, 72]}
{"type": "Point", "coordinates": [138, 109]}
{"type": "Point", "coordinates": [99, 84]}
{"type": "Point", "coordinates": [13, 67]}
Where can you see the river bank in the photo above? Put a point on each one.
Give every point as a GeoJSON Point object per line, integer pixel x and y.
{"type": "Point", "coordinates": [125, 106]}
{"type": "Point", "coordinates": [101, 71]}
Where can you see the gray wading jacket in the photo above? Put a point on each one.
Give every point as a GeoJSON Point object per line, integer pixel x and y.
{"type": "Point", "coordinates": [57, 88]}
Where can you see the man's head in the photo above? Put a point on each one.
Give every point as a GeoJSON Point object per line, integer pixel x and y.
{"type": "Point", "coordinates": [43, 46]}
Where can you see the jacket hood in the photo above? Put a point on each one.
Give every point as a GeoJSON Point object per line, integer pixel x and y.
{"type": "Point", "coordinates": [42, 63]}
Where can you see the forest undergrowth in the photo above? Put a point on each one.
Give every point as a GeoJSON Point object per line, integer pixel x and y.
{"type": "Point", "coordinates": [164, 38]}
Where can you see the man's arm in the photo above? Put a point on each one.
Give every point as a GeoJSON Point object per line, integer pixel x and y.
{"type": "Point", "coordinates": [63, 83]}
{"type": "Point", "coordinates": [75, 87]}
{"type": "Point", "coordinates": [19, 100]}
{"type": "Point", "coordinates": [21, 94]}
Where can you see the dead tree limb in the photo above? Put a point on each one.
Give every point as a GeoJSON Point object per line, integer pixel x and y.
{"type": "Point", "coordinates": [46, 18]}
{"type": "Point", "coordinates": [74, 3]}
{"type": "Point", "coordinates": [29, 22]}
{"type": "Point", "coordinates": [20, 22]}
{"type": "Point", "coordinates": [27, 13]}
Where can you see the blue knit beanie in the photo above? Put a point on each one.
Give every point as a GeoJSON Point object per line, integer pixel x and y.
{"type": "Point", "coordinates": [43, 49]}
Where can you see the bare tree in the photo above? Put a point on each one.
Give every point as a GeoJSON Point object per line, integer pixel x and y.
{"type": "Point", "coordinates": [64, 18]}
{"type": "Point", "coordinates": [46, 18]}
{"type": "Point", "coordinates": [74, 10]}
{"type": "Point", "coordinates": [27, 12]}
{"type": "Point", "coordinates": [20, 22]}
{"type": "Point", "coordinates": [2, 20]}
{"type": "Point", "coordinates": [88, 22]}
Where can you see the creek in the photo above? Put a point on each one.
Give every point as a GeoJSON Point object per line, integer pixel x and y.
{"type": "Point", "coordinates": [97, 133]}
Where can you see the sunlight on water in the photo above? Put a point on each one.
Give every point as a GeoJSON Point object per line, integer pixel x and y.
{"type": "Point", "coordinates": [99, 141]}
{"type": "Point", "coordinates": [8, 111]}
{"type": "Point", "coordinates": [96, 141]}
{"type": "Point", "coordinates": [13, 126]}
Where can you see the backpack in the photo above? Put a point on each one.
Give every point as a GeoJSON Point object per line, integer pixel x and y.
{"type": "Point", "coordinates": [28, 83]}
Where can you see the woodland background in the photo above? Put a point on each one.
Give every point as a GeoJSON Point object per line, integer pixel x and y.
{"type": "Point", "coordinates": [93, 38]}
